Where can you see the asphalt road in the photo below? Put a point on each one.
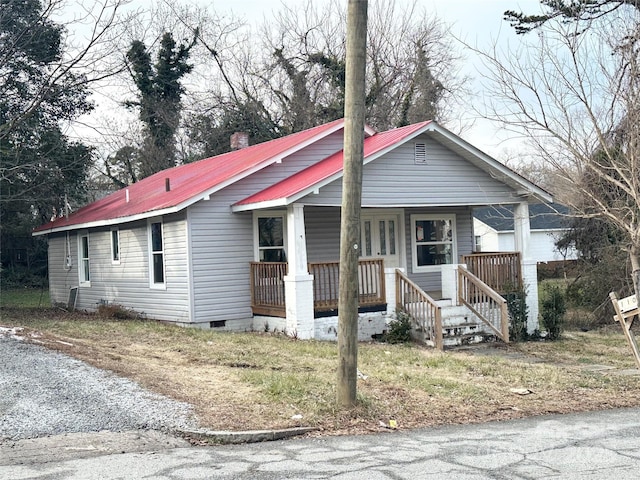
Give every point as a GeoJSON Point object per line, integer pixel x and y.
{"type": "Point", "coordinates": [597, 445]}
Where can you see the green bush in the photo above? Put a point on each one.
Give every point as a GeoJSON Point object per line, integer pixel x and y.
{"type": "Point", "coordinates": [399, 328]}
{"type": "Point", "coordinates": [518, 315]}
{"type": "Point", "coordinates": [553, 310]}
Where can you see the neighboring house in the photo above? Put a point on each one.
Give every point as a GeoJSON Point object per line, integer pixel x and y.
{"type": "Point", "coordinates": [250, 239]}
{"type": "Point", "coordinates": [494, 232]}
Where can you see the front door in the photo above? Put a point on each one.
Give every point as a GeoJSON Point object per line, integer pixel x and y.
{"type": "Point", "coordinates": [380, 237]}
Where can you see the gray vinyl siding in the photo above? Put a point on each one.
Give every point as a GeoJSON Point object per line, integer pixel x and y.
{"type": "Point", "coordinates": [61, 278]}
{"type": "Point", "coordinates": [127, 283]}
{"type": "Point", "coordinates": [221, 242]}
{"type": "Point", "coordinates": [446, 179]}
{"type": "Point", "coordinates": [322, 225]}
{"type": "Point", "coordinates": [221, 250]}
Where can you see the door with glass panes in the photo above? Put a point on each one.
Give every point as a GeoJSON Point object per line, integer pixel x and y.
{"type": "Point", "coordinates": [380, 235]}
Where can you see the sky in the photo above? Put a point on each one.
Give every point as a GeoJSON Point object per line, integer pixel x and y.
{"type": "Point", "coordinates": [476, 22]}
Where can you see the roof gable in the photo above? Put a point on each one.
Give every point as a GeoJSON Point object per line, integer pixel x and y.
{"type": "Point", "coordinates": [330, 169]}
{"type": "Point", "coordinates": [325, 171]}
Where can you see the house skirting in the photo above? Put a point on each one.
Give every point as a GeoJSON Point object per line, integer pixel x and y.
{"type": "Point", "coordinates": [326, 328]}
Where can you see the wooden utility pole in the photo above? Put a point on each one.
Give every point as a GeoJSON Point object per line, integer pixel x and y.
{"type": "Point", "coordinates": [354, 113]}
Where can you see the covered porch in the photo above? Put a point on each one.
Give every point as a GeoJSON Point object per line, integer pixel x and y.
{"type": "Point", "coordinates": [293, 280]}
{"type": "Point", "coordinates": [384, 291]}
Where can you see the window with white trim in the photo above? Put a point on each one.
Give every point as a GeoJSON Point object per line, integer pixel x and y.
{"type": "Point", "coordinates": [156, 255]}
{"type": "Point", "coordinates": [433, 241]}
{"type": "Point", "coordinates": [270, 234]}
{"type": "Point", "coordinates": [84, 262]}
{"type": "Point", "coordinates": [115, 246]}
{"type": "Point", "coordinates": [477, 240]}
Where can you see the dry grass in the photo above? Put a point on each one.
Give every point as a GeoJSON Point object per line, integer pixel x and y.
{"type": "Point", "coordinates": [257, 380]}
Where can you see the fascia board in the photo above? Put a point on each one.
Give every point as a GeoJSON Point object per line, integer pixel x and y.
{"type": "Point", "coordinates": [110, 221]}
{"type": "Point", "coordinates": [279, 202]}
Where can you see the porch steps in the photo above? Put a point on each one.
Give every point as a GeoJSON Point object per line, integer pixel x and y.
{"type": "Point", "coordinates": [460, 327]}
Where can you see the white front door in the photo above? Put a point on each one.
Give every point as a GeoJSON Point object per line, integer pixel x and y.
{"type": "Point", "coordinates": [381, 237]}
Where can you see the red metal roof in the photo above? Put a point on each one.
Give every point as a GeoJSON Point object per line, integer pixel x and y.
{"type": "Point", "coordinates": [330, 166]}
{"type": "Point", "coordinates": [187, 182]}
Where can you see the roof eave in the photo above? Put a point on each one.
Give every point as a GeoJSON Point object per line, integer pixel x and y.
{"type": "Point", "coordinates": [527, 188]}
{"type": "Point", "coordinates": [110, 221]}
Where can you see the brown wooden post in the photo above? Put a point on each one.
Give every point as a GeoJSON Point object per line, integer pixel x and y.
{"type": "Point", "coordinates": [438, 330]}
{"type": "Point", "coordinates": [504, 321]}
{"type": "Point", "coordinates": [354, 112]}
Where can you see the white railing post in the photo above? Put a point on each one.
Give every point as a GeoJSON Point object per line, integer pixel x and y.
{"type": "Point", "coordinates": [449, 278]}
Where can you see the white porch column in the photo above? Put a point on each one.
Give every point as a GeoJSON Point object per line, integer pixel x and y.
{"type": "Point", "coordinates": [390, 288]}
{"type": "Point", "coordinates": [298, 284]}
{"type": "Point", "coordinates": [522, 233]}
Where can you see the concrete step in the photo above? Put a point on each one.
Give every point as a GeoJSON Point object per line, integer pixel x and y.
{"type": "Point", "coordinates": [468, 339]}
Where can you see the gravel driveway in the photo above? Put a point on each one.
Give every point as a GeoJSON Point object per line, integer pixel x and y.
{"type": "Point", "coordinates": [43, 392]}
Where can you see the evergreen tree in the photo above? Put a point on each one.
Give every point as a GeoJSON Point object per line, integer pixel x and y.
{"type": "Point", "coordinates": [566, 10]}
{"type": "Point", "coordinates": [41, 169]}
{"type": "Point", "coordinates": [158, 100]}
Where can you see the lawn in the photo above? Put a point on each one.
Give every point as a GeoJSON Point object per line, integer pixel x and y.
{"type": "Point", "coordinates": [24, 297]}
{"type": "Point", "coordinates": [241, 381]}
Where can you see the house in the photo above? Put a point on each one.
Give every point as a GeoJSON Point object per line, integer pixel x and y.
{"type": "Point", "coordinates": [493, 230]}
{"type": "Point", "coordinates": [250, 239]}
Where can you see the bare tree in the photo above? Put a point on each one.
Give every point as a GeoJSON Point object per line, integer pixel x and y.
{"type": "Point", "coordinates": [294, 78]}
{"type": "Point", "coordinates": [574, 92]}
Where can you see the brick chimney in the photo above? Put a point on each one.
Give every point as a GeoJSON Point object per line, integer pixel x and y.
{"type": "Point", "coordinates": [239, 140]}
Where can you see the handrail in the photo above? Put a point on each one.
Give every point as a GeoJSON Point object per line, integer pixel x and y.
{"type": "Point", "coordinates": [499, 270]}
{"type": "Point", "coordinates": [422, 308]}
{"type": "Point", "coordinates": [486, 303]}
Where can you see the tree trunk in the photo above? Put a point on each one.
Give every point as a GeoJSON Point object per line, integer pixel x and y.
{"type": "Point", "coordinates": [351, 199]}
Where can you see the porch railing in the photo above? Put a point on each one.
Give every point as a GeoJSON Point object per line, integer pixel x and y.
{"type": "Point", "coordinates": [500, 270]}
{"type": "Point", "coordinates": [267, 285]}
{"type": "Point", "coordinates": [267, 288]}
{"type": "Point", "coordinates": [424, 309]}
{"type": "Point", "coordinates": [485, 302]}
{"type": "Point", "coordinates": [326, 281]}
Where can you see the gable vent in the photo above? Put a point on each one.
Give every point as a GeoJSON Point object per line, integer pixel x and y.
{"type": "Point", "coordinates": [421, 153]}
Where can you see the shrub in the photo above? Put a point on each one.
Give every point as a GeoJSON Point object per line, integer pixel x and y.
{"type": "Point", "coordinates": [399, 328]}
{"type": "Point", "coordinates": [518, 314]}
{"type": "Point", "coordinates": [553, 310]}
{"type": "Point", "coordinates": [117, 312]}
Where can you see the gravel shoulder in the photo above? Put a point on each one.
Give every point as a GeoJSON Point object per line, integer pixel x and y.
{"type": "Point", "coordinates": [48, 393]}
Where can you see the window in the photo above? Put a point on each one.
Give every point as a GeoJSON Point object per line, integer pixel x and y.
{"type": "Point", "coordinates": [477, 243]}
{"type": "Point", "coordinates": [156, 255]}
{"type": "Point", "coordinates": [433, 241]}
{"type": "Point", "coordinates": [271, 237]}
{"type": "Point", "coordinates": [115, 246]}
{"type": "Point", "coordinates": [84, 263]}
